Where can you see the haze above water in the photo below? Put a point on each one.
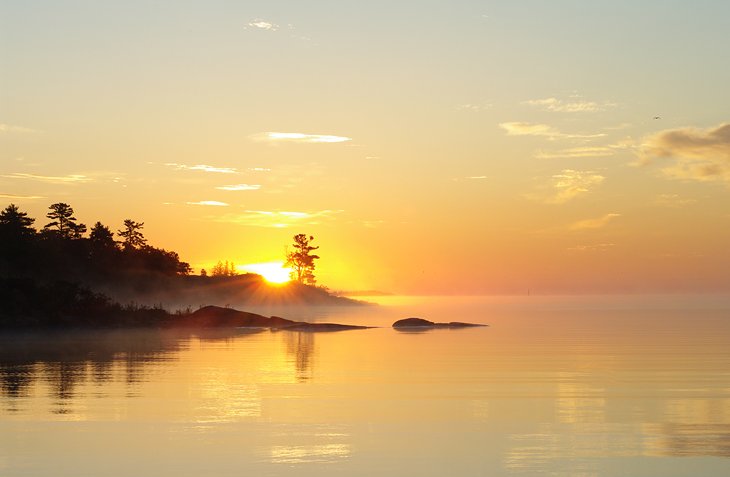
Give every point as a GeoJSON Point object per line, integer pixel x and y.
{"type": "Point", "coordinates": [555, 386]}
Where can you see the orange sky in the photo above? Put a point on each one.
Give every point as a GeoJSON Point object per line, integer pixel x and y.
{"type": "Point", "coordinates": [456, 148]}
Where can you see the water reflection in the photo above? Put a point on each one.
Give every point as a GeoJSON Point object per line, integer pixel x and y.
{"type": "Point", "coordinates": [326, 446]}
{"type": "Point", "coordinates": [300, 349]}
{"type": "Point", "coordinates": [670, 439]}
{"type": "Point", "coordinates": [532, 396]}
{"type": "Point", "coordinates": [65, 360]}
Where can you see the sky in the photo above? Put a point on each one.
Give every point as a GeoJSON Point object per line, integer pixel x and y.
{"type": "Point", "coordinates": [430, 147]}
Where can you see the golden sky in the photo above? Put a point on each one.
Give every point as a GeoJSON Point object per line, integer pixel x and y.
{"type": "Point", "coordinates": [430, 147]}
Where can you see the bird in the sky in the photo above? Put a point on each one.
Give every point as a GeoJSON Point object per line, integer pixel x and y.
{"type": "Point", "coordinates": [657, 117]}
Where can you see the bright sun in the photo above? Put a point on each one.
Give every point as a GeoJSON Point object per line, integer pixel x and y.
{"type": "Point", "coordinates": [273, 272]}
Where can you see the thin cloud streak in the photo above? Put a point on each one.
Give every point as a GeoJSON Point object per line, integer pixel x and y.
{"type": "Point", "coordinates": [597, 223]}
{"type": "Point", "coordinates": [211, 203]}
{"type": "Point", "coordinates": [475, 108]}
{"type": "Point", "coordinates": [277, 219]}
{"type": "Point", "coordinates": [517, 128]}
{"type": "Point", "coordinates": [237, 187]}
{"type": "Point", "coordinates": [20, 197]}
{"type": "Point", "coordinates": [673, 200]}
{"type": "Point", "coordinates": [599, 247]}
{"type": "Point", "coordinates": [68, 179]}
{"type": "Point", "coordinates": [597, 151]}
{"type": "Point", "coordinates": [10, 128]}
{"type": "Point", "coordinates": [558, 105]}
{"type": "Point", "coordinates": [202, 167]}
{"type": "Point", "coordinates": [297, 137]}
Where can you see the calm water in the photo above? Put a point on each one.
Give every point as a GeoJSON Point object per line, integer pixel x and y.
{"type": "Point", "coordinates": [555, 386]}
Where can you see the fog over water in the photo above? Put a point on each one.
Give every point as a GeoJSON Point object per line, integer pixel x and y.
{"type": "Point", "coordinates": [554, 386]}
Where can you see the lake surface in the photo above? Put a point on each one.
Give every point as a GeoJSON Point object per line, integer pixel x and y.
{"type": "Point", "coordinates": [608, 386]}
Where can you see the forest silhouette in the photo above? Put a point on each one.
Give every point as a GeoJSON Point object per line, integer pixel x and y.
{"type": "Point", "coordinates": [58, 275]}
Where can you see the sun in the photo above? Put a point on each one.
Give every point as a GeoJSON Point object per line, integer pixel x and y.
{"type": "Point", "coordinates": [273, 272]}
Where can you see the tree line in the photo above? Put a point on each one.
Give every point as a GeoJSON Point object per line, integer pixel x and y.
{"type": "Point", "coordinates": [63, 273]}
{"type": "Point", "coordinates": [62, 248]}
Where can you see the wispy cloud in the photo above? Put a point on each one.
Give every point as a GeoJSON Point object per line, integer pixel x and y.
{"type": "Point", "coordinates": [529, 129]}
{"type": "Point", "coordinates": [240, 187]}
{"type": "Point", "coordinates": [575, 105]}
{"type": "Point", "coordinates": [597, 223]}
{"type": "Point", "coordinates": [698, 154]}
{"type": "Point", "coordinates": [213, 203]}
{"type": "Point", "coordinates": [543, 130]}
{"type": "Point", "coordinates": [570, 183]}
{"type": "Point", "coordinates": [202, 167]}
{"type": "Point", "coordinates": [277, 219]}
{"type": "Point", "coordinates": [263, 25]}
{"type": "Point", "coordinates": [599, 247]}
{"type": "Point", "coordinates": [299, 137]}
{"type": "Point", "coordinates": [573, 152]}
{"type": "Point", "coordinates": [673, 200]}
{"type": "Point", "coordinates": [9, 128]}
{"type": "Point", "coordinates": [474, 107]}
{"type": "Point", "coordinates": [20, 197]}
{"type": "Point", "coordinates": [67, 179]}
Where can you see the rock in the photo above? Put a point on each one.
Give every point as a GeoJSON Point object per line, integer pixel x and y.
{"type": "Point", "coordinates": [413, 322]}
{"type": "Point", "coordinates": [420, 323]}
{"type": "Point", "coordinates": [216, 316]}
{"type": "Point", "coordinates": [322, 327]}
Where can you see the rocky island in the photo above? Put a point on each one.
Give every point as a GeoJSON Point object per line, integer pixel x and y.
{"type": "Point", "coordinates": [216, 316]}
{"type": "Point", "coordinates": [420, 323]}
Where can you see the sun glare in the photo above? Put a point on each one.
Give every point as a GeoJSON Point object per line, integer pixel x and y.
{"type": "Point", "coordinates": [273, 272]}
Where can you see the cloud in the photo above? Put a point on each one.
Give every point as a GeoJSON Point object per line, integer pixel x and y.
{"type": "Point", "coordinates": [573, 152]}
{"type": "Point", "coordinates": [299, 137]}
{"type": "Point", "coordinates": [9, 128]}
{"type": "Point", "coordinates": [599, 247]}
{"type": "Point", "coordinates": [673, 200]}
{"type": "Point", "coordinates": [202, 167]}
{"type": "Point", "coordinates": [277, 219]}
{"type": "Point", "coordinates": [543, 130]}
{"type": "Point", "coordinates": [20, 197]}
{"type": "Point", "coordinates": [598, 223]}
{"type": "Point", "coordinates": [475, 108]}
{"type": "Point", "coordinates": [576, 106]}
{"type": "Point", "coordinates": [263, 25]}
{"type": "Point", "coordinates": [529, 129]}
{"type": "Point", "coordinates": [67, 179]}
{"type": "Point", "coordinates": [240, 187]}
{"type": "Point", "coordinates": [570, 183]}
{"type": "Point", "coordinates": [213, 203]}
{"type": "Point", "coordinates": [698, 154]}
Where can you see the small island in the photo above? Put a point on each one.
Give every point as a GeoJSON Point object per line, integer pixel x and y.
{"type": "Point", "coordinates": [420, 323]}
{"type": "Point", "coordinates": [215, 316]}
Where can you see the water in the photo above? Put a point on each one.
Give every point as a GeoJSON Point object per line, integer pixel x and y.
{"type": "Point", "coordinates": [555, 386]}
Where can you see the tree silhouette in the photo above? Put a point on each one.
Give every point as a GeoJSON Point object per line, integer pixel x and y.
{"type": "Point", "coordinates": [224, 270]}
{"type": "Point", "coordinates": [14, 223]}
{"type": "Point", "coordinates": [301, 259]}
{"type": "Point", "coordinates": [17, 237]}
{"type": "Point", "coordinates": [63, 222]}
{"type": "Point", "coordinates": [101, 237]}
{"type": "Point", "coordinates": [133, 238]}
